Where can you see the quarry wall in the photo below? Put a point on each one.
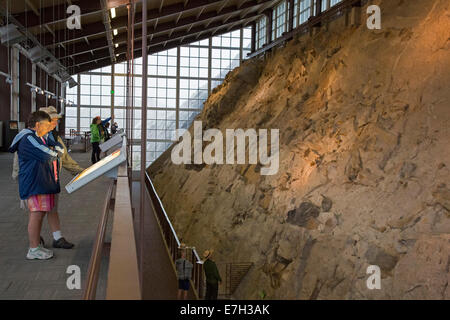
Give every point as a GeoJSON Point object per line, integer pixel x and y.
{"type": "Point", "coordinates": [364, 163]}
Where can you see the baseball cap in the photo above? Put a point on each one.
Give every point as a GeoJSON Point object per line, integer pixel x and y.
{"type": "Point", "coordinates": [51, 111]}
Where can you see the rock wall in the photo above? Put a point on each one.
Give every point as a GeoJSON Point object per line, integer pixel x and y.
{"type": "Point", "coordinates": [364, 178]}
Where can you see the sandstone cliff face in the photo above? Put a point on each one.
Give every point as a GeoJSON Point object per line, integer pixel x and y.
{"type": "Point", "coordinates": [364, 178]}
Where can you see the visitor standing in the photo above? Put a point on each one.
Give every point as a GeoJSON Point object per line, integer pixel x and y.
{"type": "Point", "coordinates": [107, 135]}
{"type": "Point", "coordinates": [184, 273]}
{"type": "Point", "coordinates": [212, 276]}
{"type": "Point", "coordinates": [38, 177]}
{"type": "Point", "coordinates": [95, 139]}
{"type": "Point", "coordinates": [69, 164]}
{"type": "Point", "coordinates": [114, 128]}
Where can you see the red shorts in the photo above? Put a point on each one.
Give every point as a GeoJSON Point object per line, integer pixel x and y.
{"type": "Point", "coordinates": [41, 202]}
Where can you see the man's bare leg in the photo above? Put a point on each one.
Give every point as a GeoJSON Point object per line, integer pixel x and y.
{"type": "Point", "coordinates": [58, 240]}
{"type": "Point", "coordinates": [53, 221]}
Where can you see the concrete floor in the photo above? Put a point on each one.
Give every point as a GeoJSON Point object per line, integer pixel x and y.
{"type": "Point", "coordinates": [79, 213]}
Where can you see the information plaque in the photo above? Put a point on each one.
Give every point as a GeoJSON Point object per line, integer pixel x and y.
{"type": "Point", "coordinates": [115, 141]}
{"type": "Point", "coordinates": [108, 165]}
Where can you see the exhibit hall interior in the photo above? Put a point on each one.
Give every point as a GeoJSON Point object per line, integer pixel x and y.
{"type": "Point", "coordinates": [231, 150]}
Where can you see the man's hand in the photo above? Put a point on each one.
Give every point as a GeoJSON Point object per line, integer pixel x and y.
{"type": "Point", "coordinates": [59, 150]}
{"type": "Point", "coordinates": [78, 172]}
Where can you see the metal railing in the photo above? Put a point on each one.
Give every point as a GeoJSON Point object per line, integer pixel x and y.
{"type": "Point", "coordinates": [123, 274]}
{"type": "Point", "coordinates": [234, 273]}
{"type": "Point", "coordinates": [90, 289]}
{"type": "Point", "coordinates": [87, 141]}
{"type": "Point", "coordinates": [172, 241]}
{"type": "Point", "coordinates": [84, 137]}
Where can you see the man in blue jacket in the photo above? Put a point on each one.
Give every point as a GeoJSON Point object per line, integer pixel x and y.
{"type": "Point", "coordinates": [38, 177]}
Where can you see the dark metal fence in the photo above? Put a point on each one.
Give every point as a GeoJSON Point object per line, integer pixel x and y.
{"type": "Point", "coordinates": [232, 274]}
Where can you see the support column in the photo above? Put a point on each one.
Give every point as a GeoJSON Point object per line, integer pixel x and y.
{"type": "Point", "coordinates": [128, 83]}
{"type": "Point", "coordinates": [59, 93]}
{"type": "Point", "coordinates": [15, 84]}
{"type": "Point", "coordinates": [33, 93]}
{"type": "Point", "coordinates": [177, 112]}
{"type": "Point", "coordinates": [253, 48]}
{"type": "Point", "coordinates": [318, 7]}
{"type": "Point", "coordinates": [113, 71]}
{"type": "Point", "coordinates": [78, 101]}
{"type": "Point", "coordinates": [63, 95]}
{"type": "Point", "coordinates": [291, 16]}
{"type": "Point", "coordinates": [354, 16]}
{"type": "Point", "coordinates": [209, 66]}
{"type": "Point", "coordinates": [318, 10]}
{"type": "Point", "coordinates": [143, 140]}
{"type": "Point", "coordinates": [133, 19]}
{"type": "Point", "coordinates": [55, 90]}
{"type": "Point", "coordinates": [46, 88]}
{"type": "Point", "coordinates": [241, 46]}
{"type": "Point", "coordinates": [269, 15]}
{"type": "Point", "coordinates": [62, 122]}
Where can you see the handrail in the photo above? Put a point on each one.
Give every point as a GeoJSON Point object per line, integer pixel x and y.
{"type": "Point", "coordinates": [95, 260]}
{"type": "Point", "coordinates": [150, 184]}
{"type": "Point", "coordinates": [86, 135]}
{"type": "Point", "coordinates": [171, 239]}
{"type": "Point", "coordinates": [123, 273]}
{"type": "Point", "coordinates": [234, 272]}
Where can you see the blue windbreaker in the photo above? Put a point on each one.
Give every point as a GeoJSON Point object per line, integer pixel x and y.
{"type": "Point", "coordinates": [36, 173]}
{"type": "Point", "coordinates": [104, 122]}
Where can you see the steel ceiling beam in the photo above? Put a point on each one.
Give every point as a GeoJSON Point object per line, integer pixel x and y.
{"type": "Point", "coordinates": [36, 43]}
{"type": "Point", "coordinates": [122, 57]}
{"type": "Point", "coordinates": [58, 13]}
{"type": "Point", "coordinates": [109, 36]}
{"type": "Point", "coordinates": [214, 27]}
{"type": "Point", "coordinates": [189, 21]}
{"type": "Point", "coordinates": [95, 28]}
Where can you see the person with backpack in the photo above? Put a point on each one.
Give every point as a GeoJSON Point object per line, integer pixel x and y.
{"type": "Point", "coordinates": [38, 177]}
{"type": "Point", "coordinates": [184, 273]}
{"type": "Point", "coordinates": [98, 136]}
{"type": "Point", "coordinates": [103, 130]}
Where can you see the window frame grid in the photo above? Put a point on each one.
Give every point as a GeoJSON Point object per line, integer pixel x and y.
{"type": "Point", "coordinates": [198, 89]}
